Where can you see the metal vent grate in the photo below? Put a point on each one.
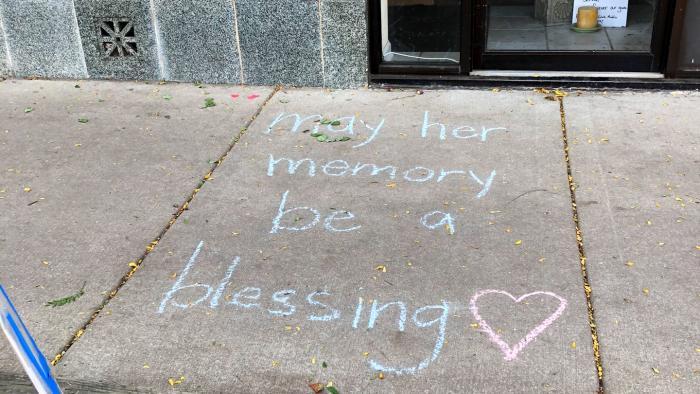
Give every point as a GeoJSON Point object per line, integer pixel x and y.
{"type": "Point", "coordinates": [117, 38]}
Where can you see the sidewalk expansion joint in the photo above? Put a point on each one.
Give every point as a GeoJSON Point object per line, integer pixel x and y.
{"type": "Point", "coordinates": [581, 251]}
{"type": "Point", "coordinates": [135, 265]}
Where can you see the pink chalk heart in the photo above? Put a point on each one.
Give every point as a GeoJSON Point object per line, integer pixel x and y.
{"type": "Point", "coordinates": [253, 96]}
{"type": "Point", "coordinates": [235, 96]}
{"type": "Point", "coordinates": [511, 353]}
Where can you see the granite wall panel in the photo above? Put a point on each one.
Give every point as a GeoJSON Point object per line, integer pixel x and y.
{"type": "Point", "coordinates": [119, 39]}
{"type": "Point", "coordinates": [43, 38]}
{"type": "Point", "coordinates": [4, 62]}
{"type": "Point", "coordinates": [280, 42]}
{"type": "Point", "coordinates": [199, 40]}
{"type": "Point", "coordinates": [344, 27]}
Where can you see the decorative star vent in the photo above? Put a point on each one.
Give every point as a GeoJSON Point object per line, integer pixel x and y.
{"type": "Point", "coordinates": [117, 37]}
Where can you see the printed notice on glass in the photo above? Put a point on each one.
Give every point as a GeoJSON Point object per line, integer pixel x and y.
{"type": "Point", "coordinates": [611, 13]}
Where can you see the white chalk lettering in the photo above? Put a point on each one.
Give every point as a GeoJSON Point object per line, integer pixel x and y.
{"type": "Point", "coordinates": [292, 165]}
{"type": "Point", "coordinates": [178, 284]}
{"type": "Point", "coordinates": [486, 185]}
{"type": "Point", "coordinates": [276, 226]}
{"type": "Point", "coordinates": [442, 320]}
{"type": "Point", "coordinates": [425, 177]}
{"type": "Point", "coordinates": [374, 314]}
{"type": "Point", "coordinates": [298, 121]}
{"type": "Point", "coordinates": [445, 220]}
{"type": "Point", "coordinates": [333, 216]}
{"type": "Point", "coordinates": [341, 165]}
{"type": "Point", "coordinates": [334, 313]}
{"type": "Point", "coordinates": [282, 297]}
{"type": "Point", "coordinates": [248, 293]}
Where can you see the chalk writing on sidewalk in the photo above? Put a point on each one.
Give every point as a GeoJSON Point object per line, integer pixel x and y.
{"type": "Point", "coordinates": [282, 303]}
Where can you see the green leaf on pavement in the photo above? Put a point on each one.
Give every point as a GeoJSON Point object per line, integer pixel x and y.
{"type": "Point", "coordinates": [209, 102]}
{"type": "Point", "coordinates": [67, 300]}
{"type": "Point", "coordinates": [335, 123]}
{"type": "Point", "coordinates": [83, 120]}
{"type": "Point", "coordinates": [28, 110]}
{"type": "Point", "coordinates": [325, 121]}
{"type": "Point", "coordinates": [316, 134]}
{"type": "Point", "coordinates": [332, 390]}
{"type": "Point", "coordinates": [322, 138]}
{"type": "Point", "coordinates": [167, 97]}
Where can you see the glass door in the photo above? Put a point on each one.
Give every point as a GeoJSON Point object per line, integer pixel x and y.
{"type": "Point", "coordinates": [611, 35]}
{"type": "Point", "coordinates": [420, 36]}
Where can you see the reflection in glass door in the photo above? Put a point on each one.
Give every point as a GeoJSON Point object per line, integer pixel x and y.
{"type": "Point", "coordinates": [421, 31]}
{"type": "Point", "coordinates": [550, 25]}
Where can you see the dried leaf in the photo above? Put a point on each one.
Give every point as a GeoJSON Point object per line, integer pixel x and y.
{"type": "Point", "coordinates": [518, 242]}
{"type": "Point", "coordinates": [381, 268]}
{"type": "Point", "coordinates": [317, 387]}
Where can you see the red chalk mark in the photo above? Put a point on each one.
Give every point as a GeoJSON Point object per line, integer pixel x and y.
{"type": "Point", "coordinates": [511, 353]}
{"type": "Point", "coordinates": [235, 95]}
{"type": "Point", "coordinates": [253, 96]}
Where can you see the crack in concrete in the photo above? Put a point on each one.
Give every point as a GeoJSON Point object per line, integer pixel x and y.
{"type": "Point", "coordinates": [581, 251]}
{"type": "Point", "coordinates": [135, 265]}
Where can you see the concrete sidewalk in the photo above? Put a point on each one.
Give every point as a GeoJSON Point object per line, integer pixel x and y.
{"type": "Point", "coordinates": [375, 241]}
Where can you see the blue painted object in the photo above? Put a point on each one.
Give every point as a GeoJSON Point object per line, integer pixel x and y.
{"type": "Point", "coordinates": [29, 355]}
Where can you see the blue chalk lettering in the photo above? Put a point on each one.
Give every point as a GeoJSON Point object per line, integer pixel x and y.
{"type": "Point", "coordinates": [486, 185]}
{"type": "Point", "coordinates": [227, 278]}
{"type": "Point", "coordinates": [438, 343]}
{"type": "Point", "coordinates": [298, 121]}
{"type": "Point", "coordinates": [375, 131]}
{"type": "Point", "coordinates": [374, 170]}
{"type": "Point", "coordinates": [341, 165]}
{"type": "Point", "coordinates": [292, 165]}
{"type": "Point", "coordinates": [485, 131]}
{"type": "Point", "coordinates": [276, 226]}
{"type": "Point", "coordinates": [456, 132]}
{"type": "Point", "coordinates": [328, 223]}
{"type": "Point", "coordinates": [348, 122]}
{"type": "Point", "coordinates": [178, 284]}
{"type": "Point", "coordinates": [282, 297]}
{"type": "Point", "coordinates": [428, 176]}
{"type": "Point", "coordinates": [358, 312]}
{"type": "Point", "coordinates": [374, 313]}
{"type": "Point", "coordinates": [244, 294]}
{"type": "Point", "coordinates": [427, 126]}
{"type": "Point", "coordinates": [444, 174]}
{"type": "Point", "coordinates": [445, 221]}
{"type": "Point", "coordinates": [334, 313]}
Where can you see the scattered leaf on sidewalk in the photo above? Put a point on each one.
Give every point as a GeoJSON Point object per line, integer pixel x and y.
{"type": "Point", "coordinates": [629, 263]}
{"type": "Point", "coordinates": [27, 189]}
{"type": "Point", "coordinates": [67, 300]}
{"type": "Point", "coordinates": [645, 291]}
{"type": "Point", "coordinates": [322, 138]}
{"type": "Point", "coordinates": [174, 382]}
{"type": "Point", "coordinates": [324, 364]}
{"type": "Point", "coordinates": [332, 390]}
{"type": "Point", "coordinates": [83, 120]}
{"type": "Point", "coordinates": [275, 363]}
{"type": "Point", "coordinates": [335, 123]}
{"type": "Point", "coordinates": [167, 97]}
{"type": "Point", "coordinates": [518, 242]}
{"type": "Point", "coordinates": [317, 387]}
{"type": "Point", "coordinates": [28, 110]}
{"type": "Point", "coordinates": [573, 345]}
{"type": "Point", "coordinates": [391, 185]}
{"type": "Point", "coordinates": [209, 102]}
{"type": "Point", "coordinates": [656, 370]}
{"type": "Point", "coordinates": [381, 268]}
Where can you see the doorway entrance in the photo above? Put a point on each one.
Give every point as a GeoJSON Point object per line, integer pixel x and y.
{"type": "Point", "coordinates": [455, 37]}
